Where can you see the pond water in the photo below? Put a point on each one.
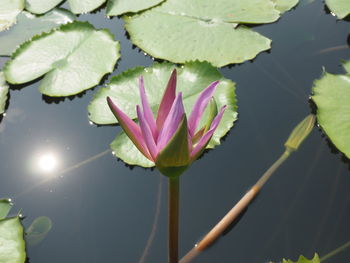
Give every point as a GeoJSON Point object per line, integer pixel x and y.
{"type": "Point", "coordinates": [103, 211]}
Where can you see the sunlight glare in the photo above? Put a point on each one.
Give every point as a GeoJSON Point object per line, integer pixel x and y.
{"type": "Point", "coordinates": [47, 162]}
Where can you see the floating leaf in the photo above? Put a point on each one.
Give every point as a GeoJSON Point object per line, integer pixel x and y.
{"type": "Point", "coordinates": [339, 7]}
{"type": "Point", "coordinates": [4, 89]}
{"type": "Point", "coordinates": [40, 6]}
{"type": "Point", "coordinates": [332, 97]}
{"type": "Point", "coordinates": [5, 207]}
{"type": "Point", "coordinates": [180, 30]}
{"type": "Point", "coordinates": [118, 7]}
{"type": "Point", "coordinates": [285, 5]}
{"type": "Point", "coordinates": [74, 58]}
{"type": "Point", "coordinates": [77, 6]}
{"type": "Point", "coordinates": [12, 246]}
{"type": "Point", "coordinates": [29, 25]}
{"type": "Point", "coordinates": [193, 77]}
{"type": "Point", "coordinates": [38, 230]}
{"type": "Point", "coordinates": [9, 9]}
{"type": "Point", "coordinates": [304, 260]}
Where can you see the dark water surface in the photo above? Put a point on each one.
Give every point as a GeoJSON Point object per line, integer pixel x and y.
{"type": "Point", "coordinates": [102, 211]}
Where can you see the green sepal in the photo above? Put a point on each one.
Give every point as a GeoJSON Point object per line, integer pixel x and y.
{"type": "Point", "coordinates": [300, 132]}
{"type": "Point", "coordinates": [174, 159]}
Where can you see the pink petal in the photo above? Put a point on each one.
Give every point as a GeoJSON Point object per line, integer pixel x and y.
{"type": "Point", "coordinates": [147, 109]}
{"type": "Point", "coordinates": [167, 100]}
{"type": "Point", "coordinates": [199, 107]}
{"type": "Point", "coordinates": [130, 128]}
{"type": "Point", "coordinates": [207, 136]}
{"type": "Point", "coordinates": [171, 123]}
{"type": "Point", "coordinates": [147, 134]}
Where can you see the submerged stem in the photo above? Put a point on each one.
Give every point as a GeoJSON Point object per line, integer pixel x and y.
{"type": "Point", "coordinates": [335, 251]}
{"type": "Point", "coordinates": [173, 219]}
{"type": "Point", "coordinates": [298, 135]}
{"type": "Point", "coordinates": [233, 214]}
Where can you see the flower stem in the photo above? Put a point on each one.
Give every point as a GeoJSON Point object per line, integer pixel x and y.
{"type": "Point", "coordinates": [173, 219]}
{"type": "Point", "coordinates": [233, 214]}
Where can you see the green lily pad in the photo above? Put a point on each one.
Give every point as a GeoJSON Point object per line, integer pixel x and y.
{"type": "Point", "coordinates": [5, 207]}
{"type": "Point", "coordinates": [74, 58]}
{"type": "Point", "coordinates": [4, 90]}
{"type": "Point", "coordinates": [180, 30]}
{"type": "Point", "coordinates": [302, 259]}
{"type": "Point", "coordinates": [29, 25]}
{"type": "Point", "coordinates": [193, 77]}
{"type": "Point", "coordinates": [332, 97]}
{"type": "Point", "coordinates": [119, 7]}
{"type": "Point", "coordinates": [285, 5]}
{"type": "Point", "coordinates": [77, 6]}
{"type": "Point", "coordinates": [339, 7]}
{"type": "Point", "coordinates": [9, 9]}
{"type": "Point", "coordinates": [12, 246]}
{"type": "Point", "coordinates": [38, 230]}
{"type": "Point", "coordinates": [40, 6]}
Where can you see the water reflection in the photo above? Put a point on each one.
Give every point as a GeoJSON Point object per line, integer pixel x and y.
{"type": "Point", "coordinates": [47, 162]}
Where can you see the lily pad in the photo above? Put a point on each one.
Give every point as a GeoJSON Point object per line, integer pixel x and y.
{"type": "Point", "coordinates": [5, 207]}
{"type": "Point", "coordinates": [77, 6]}
{"type": "Point", "coordinates": [285, 5]}
{"type": "Point", "coordinates": [40, 6]}
{"type": "Point", "coordinates": [74, 58]}
{"type": "Point", "coordinates": [12, 246]}
{"type": "Point", "coordinates": [302, 259]}
{"type": "Point", "coordinates": [339, 7]}
{"type": "Point", "coordinates": [4, 90]}
{"type": "Point", "coordinates": [119, 7]}
{"type": "Point", "coordinates": [9, 9]}
{"type": "Point", "coordinates": [29, 25]}
{"type": "Point", "coordinates": [180, 30]}
{"type": "Point", "coordinates": [38, 230]}
{"type": "Point", "coordinates": [193, 77]}
{"type": "Point", "coordinates": [332, 97]}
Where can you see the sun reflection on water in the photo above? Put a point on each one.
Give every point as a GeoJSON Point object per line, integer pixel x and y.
{"type": "Point", "coordinates": [47, 162]}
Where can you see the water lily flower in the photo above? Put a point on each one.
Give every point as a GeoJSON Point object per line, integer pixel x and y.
{"type": "Point", "coordinates": [170, 140]}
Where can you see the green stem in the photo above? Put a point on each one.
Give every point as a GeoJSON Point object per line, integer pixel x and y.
{"type": "Point", "coordinates": [335, 251]}
{"type": "Point", "coordinates": [173, 219]}
{"type": "Point", "coordinates": [265, 177]}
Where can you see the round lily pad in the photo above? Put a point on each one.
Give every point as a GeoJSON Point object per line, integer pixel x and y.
{"type": "Point", "coordinates": [29, 25]}
{"type": "Point", "coordinates": [77, 6]}
{"type": "Point", "coordinates": [332, 97]}
{"type": "Point", "coordinates": [206, 30]}
{"type": "Point", "coordinates": [193, 77]}
{"type": "Point", "coordinates": [12, 246]}
{"type": "Point", "coordinates": [73, 58]}
{"type": "Point", "coordinates": [339, 7]}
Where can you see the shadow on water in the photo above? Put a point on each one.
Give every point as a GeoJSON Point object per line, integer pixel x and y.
{"type": "Point", "coordinates": [57, 100]}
